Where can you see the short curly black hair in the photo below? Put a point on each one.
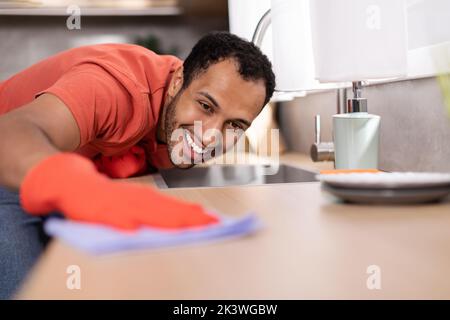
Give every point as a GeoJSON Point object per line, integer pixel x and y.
{"type": "Point", "coordinates": [217, 46]}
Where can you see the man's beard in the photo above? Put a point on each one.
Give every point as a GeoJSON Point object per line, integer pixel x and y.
{"type": "Point", "coordinates": [169, 125]}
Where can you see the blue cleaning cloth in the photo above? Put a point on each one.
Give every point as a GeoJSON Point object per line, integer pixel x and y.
{"type": "Point", "coordinates": [99, 239]}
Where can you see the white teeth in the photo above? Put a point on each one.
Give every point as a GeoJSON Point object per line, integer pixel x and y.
{"type": "Point", "coordinates": [192, 144]}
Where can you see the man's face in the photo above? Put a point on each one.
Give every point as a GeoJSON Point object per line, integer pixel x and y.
{"type": "Point", "coordinates": [221, 103]}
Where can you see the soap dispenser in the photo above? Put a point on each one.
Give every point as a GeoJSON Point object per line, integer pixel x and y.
{"type": "Point", "coordinates": [356, 134]}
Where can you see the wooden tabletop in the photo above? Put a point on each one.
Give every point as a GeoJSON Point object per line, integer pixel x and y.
{"type": "Point", "coordinates": [311, 246]}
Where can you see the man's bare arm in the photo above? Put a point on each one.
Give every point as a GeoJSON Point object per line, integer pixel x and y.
{"type": "Point", "coordinates": [31, 133]}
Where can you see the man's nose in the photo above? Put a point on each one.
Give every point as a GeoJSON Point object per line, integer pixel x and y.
{"type": "Point", "coordinates": [212, 133]}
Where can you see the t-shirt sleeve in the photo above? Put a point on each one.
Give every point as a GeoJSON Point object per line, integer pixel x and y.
{"type": "Point", "coordinates": [101, 106]}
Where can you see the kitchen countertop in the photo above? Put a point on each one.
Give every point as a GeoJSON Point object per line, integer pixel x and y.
{"type": "Point", "coordinates": [311, 246]}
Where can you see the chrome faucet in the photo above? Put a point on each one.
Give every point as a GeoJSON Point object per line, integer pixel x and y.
{"type": "Point", "coordinates": [321, 151]}
{"type": "Point", "coordinates": [324, 151]}
{"type": "Point", "coordinates": [261, 28]}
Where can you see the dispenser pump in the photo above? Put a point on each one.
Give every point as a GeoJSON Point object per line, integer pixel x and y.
{"type": "Point", "coordinates": [356, 104]}
{"type": "Point", "coordinates": [356, 134]}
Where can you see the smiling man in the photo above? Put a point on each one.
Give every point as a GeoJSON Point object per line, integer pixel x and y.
{"type": "Point", "coordinates": [73, 121]}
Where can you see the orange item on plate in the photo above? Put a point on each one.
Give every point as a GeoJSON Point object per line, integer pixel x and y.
{"type": "Point", "coordinates": [349, 171]}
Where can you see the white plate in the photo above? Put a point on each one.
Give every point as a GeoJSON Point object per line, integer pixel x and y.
{"type": "Point", "coordinates": [388, 196]}
{"type": "Point", "coordinates": [386, 180]}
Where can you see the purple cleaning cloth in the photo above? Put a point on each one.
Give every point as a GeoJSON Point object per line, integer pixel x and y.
{"type": "Point", "coordinates": [100, 239]}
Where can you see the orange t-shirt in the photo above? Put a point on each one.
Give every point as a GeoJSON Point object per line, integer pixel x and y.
{"type": "Point", "coordinates": [114, 91]}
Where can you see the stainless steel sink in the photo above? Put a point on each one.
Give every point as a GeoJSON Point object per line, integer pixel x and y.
{"type": "Point", "coordinates": [230, 175]}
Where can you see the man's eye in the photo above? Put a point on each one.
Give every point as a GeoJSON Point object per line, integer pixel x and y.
{"type": "Point", "coordinates": [206, 107]}
{"type": "Point", "coordinates": [236, 126]}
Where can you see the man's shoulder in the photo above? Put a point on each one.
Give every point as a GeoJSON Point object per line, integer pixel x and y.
{"type": "Point", "coordinates": [129, 57]}
{"type": "Point", "coordinates": [126, 49]}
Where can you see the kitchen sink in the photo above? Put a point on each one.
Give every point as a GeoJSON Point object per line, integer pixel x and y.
{"type": "Point", "coordinates": [231, 175]}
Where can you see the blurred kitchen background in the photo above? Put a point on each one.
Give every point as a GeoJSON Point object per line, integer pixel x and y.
{"type": "Point", "coordinates": [34, 29]}
{"type": "Point", "coordinates": [415, 129]}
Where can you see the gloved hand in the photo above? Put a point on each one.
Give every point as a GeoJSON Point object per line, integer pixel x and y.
{"type": "Point", "coordinates": [131, 163]}
{"type": "Point", "coordinates": [70, 184]}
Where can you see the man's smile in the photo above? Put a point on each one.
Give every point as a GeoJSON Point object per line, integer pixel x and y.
{"type": "Point", "coordinates": [190, 141]}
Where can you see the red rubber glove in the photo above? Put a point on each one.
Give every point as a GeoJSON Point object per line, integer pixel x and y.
{"type": "Point", "coordinates": [70, 184]}
{"type": "Point", "coordinates": [131, 163]}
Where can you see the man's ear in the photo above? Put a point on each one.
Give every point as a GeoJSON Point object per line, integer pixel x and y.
{"type": "Point", "coordinates": [176, 83]}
